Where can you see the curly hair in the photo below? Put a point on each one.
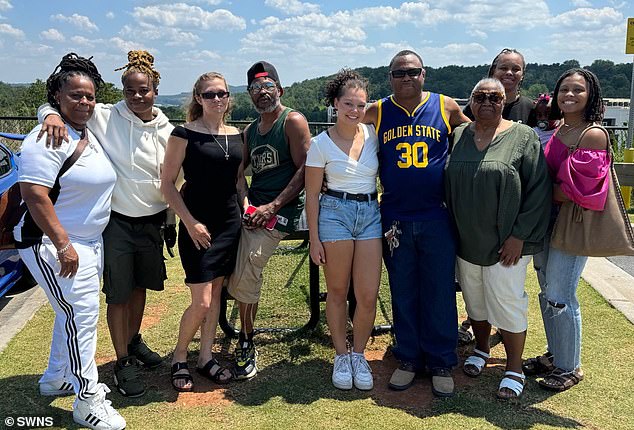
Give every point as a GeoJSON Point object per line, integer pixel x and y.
{"type": "Point", "coordinates": [344, 80]}
{"type": "Point", "coordinates": [140, 62]}
{"type": "Point", "coordinates": [70, 65]}
{"type": "Point", "coordinates": [195, 109]}
{"type": "Point", "coordinates": [594, 107]}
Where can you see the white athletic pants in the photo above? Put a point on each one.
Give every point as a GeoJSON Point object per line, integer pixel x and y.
{"type": "Point", "coordinates": [76, 305]}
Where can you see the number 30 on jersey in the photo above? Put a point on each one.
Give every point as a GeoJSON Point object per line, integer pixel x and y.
{"type": "Point", "coordinates": [412, 155]}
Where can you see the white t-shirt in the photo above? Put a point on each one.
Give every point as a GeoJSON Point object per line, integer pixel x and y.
{"type": "Point", "coordinates": [83, 205]}
{"type": "Point", "coordinates": [342, 173]}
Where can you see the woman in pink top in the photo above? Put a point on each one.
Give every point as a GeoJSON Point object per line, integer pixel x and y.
{"type": "Point", "coordinates": [581, 176]}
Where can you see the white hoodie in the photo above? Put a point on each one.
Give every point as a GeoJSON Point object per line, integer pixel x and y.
{"type": "Point", "coordinates": [136, 149]}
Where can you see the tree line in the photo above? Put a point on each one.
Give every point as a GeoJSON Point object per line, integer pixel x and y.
{"type": "Point", "coordinates": [308, 96]}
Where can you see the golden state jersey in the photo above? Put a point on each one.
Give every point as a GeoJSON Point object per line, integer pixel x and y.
{"type": "Point", "coordinates": [413, 149]}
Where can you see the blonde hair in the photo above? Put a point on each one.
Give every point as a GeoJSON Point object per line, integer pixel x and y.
{"type": "Point", "coordinates": [140, 62]}
{"type": "Point", "coordinates": [195, 109]}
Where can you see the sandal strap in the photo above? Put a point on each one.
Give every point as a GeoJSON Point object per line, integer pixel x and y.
{"type": "Point", "coordinates": [179, 365]}
{"type": "Point", "coordinates": [564, 378]}
{"type": "Point", "coordinates": [517, 375]}
{"type": "Point", "coordinates": [475, 361]}
{"type": "Point", "coordinates": [481, 353]}
{"type": "Point", "coordinates": [512, 384]}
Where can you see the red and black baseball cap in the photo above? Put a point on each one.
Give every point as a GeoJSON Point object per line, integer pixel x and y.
{"type": "Point", "coordinates": [262, 69]}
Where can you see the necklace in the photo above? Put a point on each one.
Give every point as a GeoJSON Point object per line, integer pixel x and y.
{"type": "Point", "coordinates": [225, 149]}
{"type": "Point", "coordinates": [566, 129]}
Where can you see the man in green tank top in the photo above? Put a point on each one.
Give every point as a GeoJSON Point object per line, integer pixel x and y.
{"type": "Point", "coordinates": [275, 146]}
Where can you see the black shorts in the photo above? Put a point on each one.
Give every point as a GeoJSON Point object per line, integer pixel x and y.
{"type": "Point", "coordinates": [133, 256]}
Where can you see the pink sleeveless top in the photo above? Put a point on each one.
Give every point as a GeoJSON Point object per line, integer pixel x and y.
{"type": "Point", "coordinates": [584, 174]}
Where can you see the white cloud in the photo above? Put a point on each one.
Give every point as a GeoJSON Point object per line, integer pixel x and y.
{"type": "Point", "coordinates": [5, 5]}
{"type": "Point", "coordinates": [181, 15]}
{"type": "Point", "coordinates": [171, 36]}
{"type": "Point", "coordinates": [52, 34]}
{"type": "Point", "coordinates": [80, 40]}
{"type": "Point", "coordinates": [396, 46]}
{"type": "Point", "coordinates": [9, 30]}
{"type": "Point", "coordinates": [581, 3]}
{"type": "Point", "coordinates": [469, 53]}
{"type": "Point", "coordinates": [110, 15]}
{"type": "Point", "coordinates": [477, 33]}
{"type": "Point", "coordinates": [417, 14]}
{"type": "Point", "coordinates": [587, 18]}
{"type": "Point", "coordinates": [125, 45]}
{"type": "Point", "coordinates": [501, 15]}
{"type": "Point", "coordinates": [80, 21]}
{"type": "Point", "coordinates": [292, 7]}
{"type": "Point", "coordinates": [199, 56]}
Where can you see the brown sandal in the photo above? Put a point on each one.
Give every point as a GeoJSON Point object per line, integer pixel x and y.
{"type": "Point", "coordinates": [561, 380]}
{"type": "Point", "coordinates": [538, 365]}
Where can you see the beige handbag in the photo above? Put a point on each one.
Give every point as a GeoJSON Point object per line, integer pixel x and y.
{"type": "Point", "coordinates": [605, 233]}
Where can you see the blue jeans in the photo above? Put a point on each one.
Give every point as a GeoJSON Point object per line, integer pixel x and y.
{"type": "Point", "coordinates": [560, 307]}
{"type": "Point", "coordinates": [421, 273]}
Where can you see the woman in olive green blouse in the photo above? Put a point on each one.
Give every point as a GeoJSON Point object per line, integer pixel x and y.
{"type": "Point", "coordinates": [499, 193]}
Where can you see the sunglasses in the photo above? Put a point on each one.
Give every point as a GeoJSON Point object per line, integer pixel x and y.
{"type": "Point", "coordinates": [412, 73]}
{"type": "Point", "coordinates": [494, 98]}
{"type": "Point", "coordinates": [210, 95]}
{"type": "Point", "coordinates": [267, 86]}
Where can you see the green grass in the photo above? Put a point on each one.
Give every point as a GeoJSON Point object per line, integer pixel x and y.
{"type": "Point", "coordinates": [293, 388]}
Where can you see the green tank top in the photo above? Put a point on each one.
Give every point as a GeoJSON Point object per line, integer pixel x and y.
{"type": "Point", "coordinates": [273, 169]}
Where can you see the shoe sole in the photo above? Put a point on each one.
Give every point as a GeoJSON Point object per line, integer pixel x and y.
{"type": "Point", "coordinates": [90, 426]}
{"type": "Point", "coordinates": [364, 388]}
{"type": "Point", "coordinates": [123, 393]}
{"type": "Point", "coordinates": [400, 387]}
{"type": "Point", "coordinates": [247, 376]}
{"type": "Point", "coordinates": [442, 394]}
{"type": "Point", "coordinates": [343, 387]}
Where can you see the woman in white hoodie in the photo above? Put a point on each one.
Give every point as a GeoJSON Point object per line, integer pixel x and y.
{"type": "Point", "coordinates": [134, 133]}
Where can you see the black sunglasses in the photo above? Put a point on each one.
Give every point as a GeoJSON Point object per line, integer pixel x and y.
{"type": "Point", "coordinates": [494, 98]}
{"type": "Point", "coordinates": [412, 73]}
{"type": "Point", "coordinates": [210, 95]}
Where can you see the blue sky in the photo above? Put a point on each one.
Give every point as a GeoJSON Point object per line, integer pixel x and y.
{"type": "Point", "coordinates": [302, 39]}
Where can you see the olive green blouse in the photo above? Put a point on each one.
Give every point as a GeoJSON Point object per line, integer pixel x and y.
{"type": "Point", "coordinates": [501, 191]}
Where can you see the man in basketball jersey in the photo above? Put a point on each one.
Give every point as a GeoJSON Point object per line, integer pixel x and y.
{"type": "Point", "coordinates": [413, 127]}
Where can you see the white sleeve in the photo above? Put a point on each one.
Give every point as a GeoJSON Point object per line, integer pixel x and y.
{"type": "Point", "coordinates": [39, 164]}
{"type": "Point", "coordinates": [314, 157]}
{"type": "Point", "coordinates": [44, 111]}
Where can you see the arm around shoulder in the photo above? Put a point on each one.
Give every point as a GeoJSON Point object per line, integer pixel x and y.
{"type": "Point", "coordinates": [454, 113]}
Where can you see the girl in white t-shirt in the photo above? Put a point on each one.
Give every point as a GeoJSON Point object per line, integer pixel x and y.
{"type": "Point", "coordinates": [345, 224]}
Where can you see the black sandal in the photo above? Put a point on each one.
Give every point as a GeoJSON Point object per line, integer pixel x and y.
{"type": "Point", "coordinates": [176, 367]}
{"type": "Point", "coordinates": [214, 371]}
{"type": "Point", "coordinates": [538, 365]}
{"type": "Point", "coordinates": [561, 380]}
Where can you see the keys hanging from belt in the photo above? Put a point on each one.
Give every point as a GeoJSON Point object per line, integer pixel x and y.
{"type": "Point", "coordinates": [391, 237]}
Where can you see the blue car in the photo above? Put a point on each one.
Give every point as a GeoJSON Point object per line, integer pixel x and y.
{"type": "Point", "coordinates": [12, 269]}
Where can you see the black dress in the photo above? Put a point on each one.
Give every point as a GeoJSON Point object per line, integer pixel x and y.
{"type": "Point", "coordinates": [211, 197]}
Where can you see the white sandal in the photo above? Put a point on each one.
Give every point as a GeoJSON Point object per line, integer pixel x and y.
{"type": "Point", "coordinates": [477, 362]}
{"type": "Point", "coordinates": [512, 384]}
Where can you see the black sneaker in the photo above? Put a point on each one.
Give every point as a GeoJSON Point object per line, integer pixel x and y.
{"type": "Point", "coordinates": [143, 354]}
{"type": "Point", "coordinates": [126, 377]}
{"type": "Point", "coordinates": [245, 357]}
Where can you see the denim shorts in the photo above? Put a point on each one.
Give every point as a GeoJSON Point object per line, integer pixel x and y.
{"type": "Point", "coordinates": [341, 219]}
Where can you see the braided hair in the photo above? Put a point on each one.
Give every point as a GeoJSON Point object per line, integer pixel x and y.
{"type": "Point", "coordinates": [140, 62]}
{"type": "Point", "coordinates": [594, 107]}
{"type": "Point", "coordinates": [70, 65]}
{"type": "Point", "coordinates": [496, 60]}
{"type": "Point", "coordinates": [343, 80]}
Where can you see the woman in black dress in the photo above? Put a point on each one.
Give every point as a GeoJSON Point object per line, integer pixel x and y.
{"type": "Point", "coordinates": [210, 153]}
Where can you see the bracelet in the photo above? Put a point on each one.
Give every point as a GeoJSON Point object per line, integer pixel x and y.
{"type": "Point", "coordinates": [63, 250]}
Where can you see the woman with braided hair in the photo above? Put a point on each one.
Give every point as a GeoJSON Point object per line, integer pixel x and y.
{"type": "Point", "coordinates": [68, 192]}
{"type": "Point", "coordinates": [135, 133]}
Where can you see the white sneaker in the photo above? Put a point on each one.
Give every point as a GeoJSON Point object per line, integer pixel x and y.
{"type": "Point", "coordinates": [97, 413]}
{"type": "Point", "coordinates": [56, 388]}
{"type": "Point", "coordinates": [361, 372]}
{"type": "Point", "coordinates": [342, 372]}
